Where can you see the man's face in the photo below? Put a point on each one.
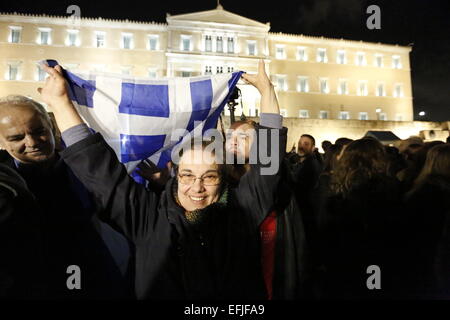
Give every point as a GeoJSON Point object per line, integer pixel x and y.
{"type": "Point", "coordinates": [305, 146]}
{"type": "Point", "coordinates": [239, 140]}
{"type": "Point", "coordinates": [198, 193]}
{"type": "Point", "coordinates": [25, 134]}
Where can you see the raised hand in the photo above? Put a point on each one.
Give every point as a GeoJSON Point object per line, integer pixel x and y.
{"type": "Point", "coordinates": [54, 92]}
{"type": "Point", "coordinates": [269, 102]}
{"type": "Point", "coordinates": [260, 80]}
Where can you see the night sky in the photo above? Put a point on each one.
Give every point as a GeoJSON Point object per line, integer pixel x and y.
{"type": "Point", "coordinates": [424, 23]}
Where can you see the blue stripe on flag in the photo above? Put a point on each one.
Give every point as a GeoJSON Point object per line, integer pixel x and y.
{"type": "Point", "coordinates": [145, 100]}
{"type": "Point", "coordinates": [81, 91]}
{"type": "Point", "coordinates": [201, 98]}
{"type": "Point", "coordinates": [134, 147]}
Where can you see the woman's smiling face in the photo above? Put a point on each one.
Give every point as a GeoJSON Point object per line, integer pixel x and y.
{"type": "Point", "coordinates": [198, 180]}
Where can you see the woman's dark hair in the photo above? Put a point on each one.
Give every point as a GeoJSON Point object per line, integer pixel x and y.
{"type": "Point", "coordinates": [362, 162]}
{"type": "Point", "coordinates": [437, 163]}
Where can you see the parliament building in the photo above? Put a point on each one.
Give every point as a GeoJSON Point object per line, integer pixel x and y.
{"type": "Point", "coordinates": [315, 77]}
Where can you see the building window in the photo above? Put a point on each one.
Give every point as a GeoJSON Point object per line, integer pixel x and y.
{"type": "Point", "coordinates": [208, 70]}
{"type": "Point", "coordinates": [398, 91]}
{"type": "Point", "coordinates": [323, 114]}
{"type": "Point", "coordinates": [342, 87]}
{"type": "Point", "coordinates": [186, 74]}
{"type": "Point", "coordinates": [303, 114]}
{"type": "Point", "coordinates": [127, 41]}
{"type": "Point", "coordinates": [12, 72]}
{"type": "Point", "coordinates": [362, 88]}
{"type": "Point", "coordinates": [396, 63]}
{"type": "Point", "coordinates": [301, 54]}
{"type": "Point", "coordinates": [186, 43]}
{"type": "Point", "coordinates": [72, 39]}
{"type": "Point", "coordinates": [99, 40]}
{"type": "Point", "coordinates": [41, 74]}
{"type": "Point", "coordinates": [360, 59]}
{"type": "Point", "coordinates": [152, 73]}
{"type": "Point", "coordinates": [44, 36]}
{"type": "Point", "coordinates": [281, 82]}
{"type": "Point", "coordinates": [251, 47]}
{"type": "Point", "coordinates": [380, 90]}
{"type": "Point", "coordinates": [208, 44]}
{"type": "Point", "coordinates": [283, 112]}
{"type": "Point", "coordinates": [230, 69]}
{"type": "Point", "coordinates": [344, 115]}
{"type": "Point", "coordinates": [323, 84]}
{"type": "Point", "coordinates": [322, 55]}
{"type": "Point", "coordinates": [398, 117]}
{"type": "Point", "coordinates": [14, 34]}
{"type": "Point", "coordinates": [363, 116]}
{"type": "Point", "coordinates": [341, 57]}
{"type": "Point", "coordinates": [219, 69]}
{"type": "Point", "coordinates": [379, 60]}
{"type": "Point", "coordinates": [219, 44]}
{"type": "Point", "coordinates": [382, 116]}
{"type": "Point", "coordinates": [99, 67]}
{"type": "Point", "coordinates": [303, 85]}
{"type": "Point", "coordinates": [126, 70]}
{"type": "Point", "coordinates": [230, 45]}
{"type": "Point", "coordinates": [280, 52]}
{"type": "Point", "coordinates": [153, 43]}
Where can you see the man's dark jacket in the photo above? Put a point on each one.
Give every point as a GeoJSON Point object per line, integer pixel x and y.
{"type": "Point", "coordinates": [73, 235]}
{"type": "Point", "coordinates": [21, 247]}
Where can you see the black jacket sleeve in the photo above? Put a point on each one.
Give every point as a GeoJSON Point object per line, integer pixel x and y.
{"type": "Point", "coordinates": [257, 190]}
{"type": "Point", "coordinates": [127, 206]}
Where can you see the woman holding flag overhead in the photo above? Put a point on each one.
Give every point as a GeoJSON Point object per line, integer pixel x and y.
{"type": "Point", "coordinates": [199, 238]}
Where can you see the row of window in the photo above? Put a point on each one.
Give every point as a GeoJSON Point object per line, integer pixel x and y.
{"type": "Point", "coordinates": [343, 115]}
{"type": "Point", "coordinates": [342, 88]}
{"type": "Point", "coordinates": [341, 57]}
{"type": "Point", "coordinates": [73, 39]}
{"type": "Point", "coordinates": [13, 71]}
{"type": "Point", "coordinates": [218, 44]}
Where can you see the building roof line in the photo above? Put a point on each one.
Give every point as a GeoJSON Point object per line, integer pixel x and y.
{"type": "Point", "coordinates": [303, 36]}
{"type": "Point", "coordinates": [82, 18]}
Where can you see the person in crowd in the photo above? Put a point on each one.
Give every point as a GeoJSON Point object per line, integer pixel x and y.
{"type": "Point", "coordinates": [412, 142]}
{"type": "Point", "coordinates": [415, 156]}
{"type": "Point", "coordinates": [326, 145]}
{"type": "Point", "coordinates": [428, 226]}
{"type": "Point", "coordinates": [198, 239]}
{"type": "Point", "coordinates": [284, 252]}
{"type": "Point", "coordinates": [342, 141]}
{"type": "Point", "coordinates": [358, 209]}
{"type": "Point", "coordinates": [305, 168]}
{"type": "Point", "coordinates": [396, 162]}
{"type": "Point", "coordinates": [331, 158]}
{"type": "Point", "coordinates": [72, 234]}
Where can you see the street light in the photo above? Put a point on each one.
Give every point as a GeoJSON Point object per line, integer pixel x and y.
{"type": "Point", "coordinates": [422, 113]}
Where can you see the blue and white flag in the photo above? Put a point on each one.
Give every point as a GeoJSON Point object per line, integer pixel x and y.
{"type": "Point", "coordinates": [136, 116]}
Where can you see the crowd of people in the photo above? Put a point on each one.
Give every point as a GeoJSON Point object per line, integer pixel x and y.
{"type": "Point", "coordinates": [316, 228]}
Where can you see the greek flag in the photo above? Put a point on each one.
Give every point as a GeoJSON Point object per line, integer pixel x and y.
{"type": "Point", "coordinates": [136, 116]}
